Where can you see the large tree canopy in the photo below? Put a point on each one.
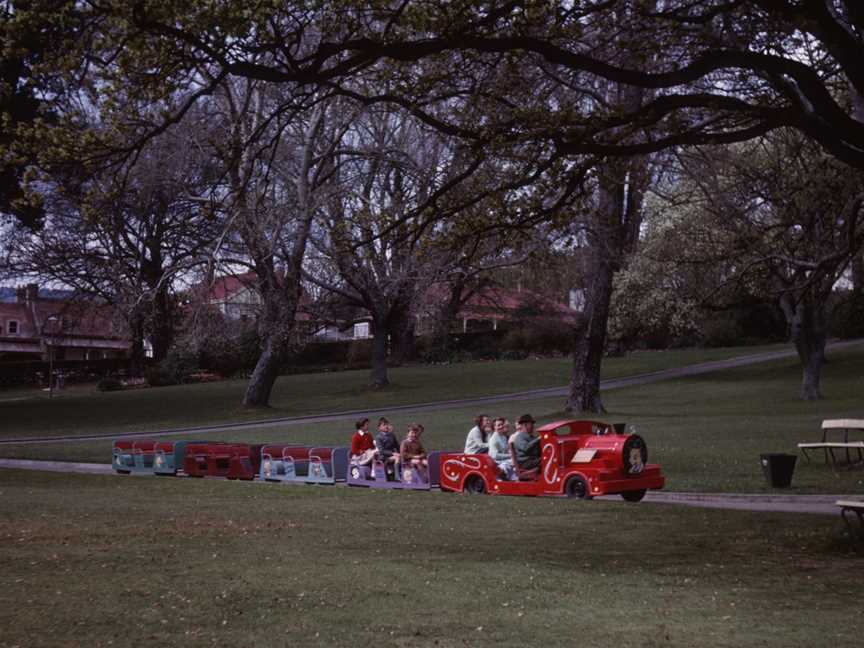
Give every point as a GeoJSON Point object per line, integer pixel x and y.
{"type": "Point", "coordinates": [716, 70]}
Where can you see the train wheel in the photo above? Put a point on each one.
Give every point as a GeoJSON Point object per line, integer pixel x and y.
{"type": "Point", "coordinates": [577, 488]}
{"type": "Point", "coordinates": [474, 485]}
{"type": "Point", "coordinates": [634, 495]}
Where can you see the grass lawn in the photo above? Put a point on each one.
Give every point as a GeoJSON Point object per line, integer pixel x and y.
{"type": "Point", "coordinates": [706, 431]}
{"type": "Point", "coordinates": [95, 561]}
{"type": "Point", "coordinates": [79, 411]}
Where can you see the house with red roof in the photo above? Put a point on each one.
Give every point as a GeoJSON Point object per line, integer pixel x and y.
{"type": "Point", "coordinates": [494, 307]}
{"type": "Point", "coordinates": [37, 325]}
{"type": "Point", "coordinates": [237, 298]}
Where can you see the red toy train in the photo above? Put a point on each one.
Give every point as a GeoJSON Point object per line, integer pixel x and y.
{"type": "Point", "coordinates": [579, 458]}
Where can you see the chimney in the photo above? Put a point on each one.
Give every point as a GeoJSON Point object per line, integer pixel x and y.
{"type": "Point", "coordinates": [20, 294]}
{"type": "Point", "coordinates": [32, 293]}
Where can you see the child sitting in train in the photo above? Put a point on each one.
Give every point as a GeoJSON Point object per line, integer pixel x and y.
{"type": "Point", "coordinates": [362, 446]}
{"type": "Point", "coordinates": [387, 446]}
{"type": "Point", "coordinates": [413, 455]}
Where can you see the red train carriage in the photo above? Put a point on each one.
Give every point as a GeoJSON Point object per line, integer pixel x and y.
{"type": "Point", "coordinates": [578, 459]}
{"type": "Point", "coordinates": [231, 460]}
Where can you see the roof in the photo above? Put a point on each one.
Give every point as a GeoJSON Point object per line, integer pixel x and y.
{"type": "Point", "coordinates": [497, 303]}
{"type": "Point", "coordinates": [9, 295]}
{"type": "Point", "coordinates": [225, 286]}
{"type": "Point", "coordinates": [60, 318]}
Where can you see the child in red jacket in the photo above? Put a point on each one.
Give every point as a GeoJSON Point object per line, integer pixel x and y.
{"type": "Point", "coordinates": [362, 444]}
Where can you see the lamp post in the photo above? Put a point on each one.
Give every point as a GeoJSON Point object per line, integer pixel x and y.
{"type": "Point", "coordinates": [51, 318]}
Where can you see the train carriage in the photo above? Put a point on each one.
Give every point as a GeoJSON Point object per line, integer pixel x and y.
{"type": "Point", "coordinates": [408, 478]}
{"type": "Point", "coordinates": [578, 458]}
{"type": "Point", "coordinates": [170, 457]}
{"type": "Point", "coordinates": [133, 456]}
{"type": "Point", "coordinates": [229, 460]}
{"type": "Point", "coordinates": [311, 465]}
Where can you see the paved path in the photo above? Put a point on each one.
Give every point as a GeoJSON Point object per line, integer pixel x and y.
{"type": "Point", "coordinates": [534, 394]}
{"type": "Point", "coordinates": [820, 504]}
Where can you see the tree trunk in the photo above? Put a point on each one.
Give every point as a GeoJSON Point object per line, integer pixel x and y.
{"type": "Point", "coordinates": [808, 331]}
{"type": "Point", "coordinates": [620, 192]}
{"type": "Point", "coordinates": [162, 331]}
{"type": "Point", "coordinates": [276, 326]}
{"type": "Point", "coordinates": [858, 275]}
{"type": "Point", "coordinates": [589, 342]}
{"type": "Point", "coordinates": [378, 377]}
{"type": "Point", "coordinates": [402, 335]}
{"type": "Point", "coordinates": [446, 314]}
{"type": "Point", "coordinates": [264, 376]}
{"type": "Point", "coordinates": [137, 356]}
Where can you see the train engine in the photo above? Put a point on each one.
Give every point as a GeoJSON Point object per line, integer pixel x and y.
{"type": "Point", "coordinates": [579, 459]}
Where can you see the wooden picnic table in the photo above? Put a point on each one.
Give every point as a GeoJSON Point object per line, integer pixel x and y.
{"type": "Point", "coordinates": [841, 427]}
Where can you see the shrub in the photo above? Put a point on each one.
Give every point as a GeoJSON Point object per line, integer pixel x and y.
{"type": "Point", "coordinates": [515, 354]}
{"type": "Point", "coordinates": [109, 384]}
{"type": "Point", "coordinates": [157, 376]}
{"type": "Point", "coordinates": [847, 320]}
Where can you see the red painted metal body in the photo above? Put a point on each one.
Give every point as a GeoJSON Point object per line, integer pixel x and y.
{"type": "Point", "coordinates": [591, 450]}
{"type": "Point", "coordinates": [231, 460]}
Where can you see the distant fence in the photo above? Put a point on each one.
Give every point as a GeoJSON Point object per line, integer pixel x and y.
{"type": "Point", "coordinates": [17, 373]}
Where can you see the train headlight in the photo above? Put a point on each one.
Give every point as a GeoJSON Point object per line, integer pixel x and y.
{"type": "Point", "coordinates": [634, 455]}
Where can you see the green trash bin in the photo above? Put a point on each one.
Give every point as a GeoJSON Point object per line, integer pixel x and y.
{"type": "Point", "coordinates": [778, 468]}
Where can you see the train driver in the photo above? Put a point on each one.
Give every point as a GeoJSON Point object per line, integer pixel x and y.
{"type": "Point", "coordinates": [525, 444]}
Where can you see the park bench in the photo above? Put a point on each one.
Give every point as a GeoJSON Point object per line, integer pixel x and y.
{"type": "Point", "coordinates": [841, 427]}
{"type": "Point", "coordinates": [848, 509]}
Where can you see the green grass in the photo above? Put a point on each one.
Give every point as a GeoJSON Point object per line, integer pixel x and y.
{"type": "Point", "coordinates": [707, 431]}
{"type": "Point", "coordinates": [95, 561]}
{"type": "Point", "coordinates": [78, 411]}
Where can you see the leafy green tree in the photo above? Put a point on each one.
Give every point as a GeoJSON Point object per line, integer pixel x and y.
{"type": "Point", "coordinates": [778, 218]}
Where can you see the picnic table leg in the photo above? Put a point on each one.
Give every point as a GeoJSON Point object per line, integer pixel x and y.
{"type": "Point", "coordinates": [846, 521]}
{"type": "Point", "coordinates": [850, 525]}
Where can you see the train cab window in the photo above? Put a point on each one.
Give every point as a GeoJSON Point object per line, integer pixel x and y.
{"type": "Point", "coordinates": [599, 429]}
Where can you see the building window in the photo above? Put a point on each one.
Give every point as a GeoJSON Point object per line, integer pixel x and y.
{"type": "Point", "coordinates": [577, 300]}
{"type": "Point", "coordinates": [12, 327]}
{"type": "Point", "coordinates": [361, 330]}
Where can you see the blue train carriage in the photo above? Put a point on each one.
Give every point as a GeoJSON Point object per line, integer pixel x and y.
{"type": "Point", "coordinates": [133, 456]}
{"type": "Point", "coordinates": [303, 464]}
{"type": "Point", "coordinates": [413, 477]}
